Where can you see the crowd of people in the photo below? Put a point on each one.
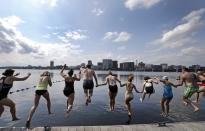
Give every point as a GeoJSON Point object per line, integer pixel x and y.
{"type": "Point", "coordinates": [194, 84]}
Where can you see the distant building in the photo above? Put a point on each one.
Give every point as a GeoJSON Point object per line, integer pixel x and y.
{"type": "Point", "coordinates": [107, 64]}
{"type": "Point", "coordinates": [164, 66]}
{"type": "Point", "coordinates": [141, 66]}
{"type": "Point", "coordinates": [194, 68]}
{"type": "Point", "coordinates": [114, 65]}
{"type": "Point", "coordinates": [51, 64]}
{"type": "Point", "coordinates": [90, 62]}
{"type": "Point", "coordinates": [99, 65]}
{"type": "Point", "coordinates": [129, 66]}
{"type": "Point", "coordinates": [157, 68]}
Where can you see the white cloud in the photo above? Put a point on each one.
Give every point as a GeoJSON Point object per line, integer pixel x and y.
{"type": "Point", "coordinates": [17, 48]}
{"type": "Point", "coordinates": [139, 4]}
{"type": "Point", "coordinates": [121, 48]}
{"type": "Point", "coordinates": [192, 51]}
{"type": "Point", "coordinates": [117, 36]}
{"type": "Point", "coordinates": [63, 39]}
{"type": "Point", "coordinates": [51, 3]}
{"type": "Point", "coordinates": [46, 36]}
{"type": "Point", "coordinates": [13, 20]}
{"type": "Point", "coordinates": [183, 33]}
{"type": "Point", "coordinates": [97, 12]}
{"type": "Point", "coordinates": [76, 35]}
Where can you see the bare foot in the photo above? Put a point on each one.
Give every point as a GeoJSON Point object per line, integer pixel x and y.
{"type": "Point", "coordinates": [185, 103]}
{"type": "Point", "coordinates": [162, 114]}
{"type": "Point", "coordinates": [15, 119]}
{"type": "Point", "coordinates": [196, 109]}
{"type": "Point", "coordinates": [28, 124]}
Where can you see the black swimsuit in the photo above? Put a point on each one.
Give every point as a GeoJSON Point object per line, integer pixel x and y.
{"type": "Point", "coordinates": [4, 89]}
{"type": "Point", "coordinates": [69, 88]}
{"type": "Point", "coordinates": [149, 89]}
{"type": "Point", "coordinates": [113, 88]}
{"type": "Point", "coordinates": [88, 84]}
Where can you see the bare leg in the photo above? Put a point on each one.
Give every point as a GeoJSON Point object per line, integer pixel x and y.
{"type": "Point", "coordinates": [167, 106]}
{"type": "Point", "coordinates": [86, 96]}
{"type": "Point", "coordinates": [47, 97]}
{"type": "Point", "coordinates": [8, 102]}
{"type": "Point", "coordinates": [127, 103]}
{"type": "Point", "coordinates": [1, 110]}
{"type": "Point", "coordinates": [70, 102]}
{"type": "Point", "coordinates": [143, 97]}
{"type": "Point", "coordinates": [32, 110]}
{"type": "Point", "coordinates": [189, 102]}
{"type": "Point", "coordinates": [110, 100]}
{"type": "Point", "coordinates": [149, 96]}
{"type": "Point", "coordinates": [162, 106]}
{"type": "Point", "coordinates": [90, 94]}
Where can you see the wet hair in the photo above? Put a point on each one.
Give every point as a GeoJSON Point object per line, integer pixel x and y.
{"type": "Point", "coordinates": [8, 72]}
{"type": "Point", "coordinates": [109, 72]}
{"type": "Point", "coordinates": [130, 77]}
{"type": "Point", "coordinates": [146, 78]}
{"type": "Point", "coordinates": [185, 69]}
{"type": "Point", "coordinates": [88, 66]}
{"type": "Point", "coordinates": [45, 73]}
{"type": "Point", "coordinates": [70, 72]}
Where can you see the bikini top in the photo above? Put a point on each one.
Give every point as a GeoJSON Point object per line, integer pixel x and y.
{"type": "Point", "coordinates": [5, 88]}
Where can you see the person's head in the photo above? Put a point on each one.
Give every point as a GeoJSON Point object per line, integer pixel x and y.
{"type": "Point", "coordinates": [8, 72]}
{"type": "Point", "coordinates": [70, 72]}
{"type": "Point", "coordinates": [130, 77]}
{"type": "Point", "coordinates": [109, 72]}
{"type": "Point", "coordinates": [185, 69]}
{"type": "Point", "coordinates": [146, 78]}
{"type": "Point", "coordinates": [45, 73]}
{"type": "Point", "coordinates": [83, 65]}
{"type": "Point", "coordinates": [88, 66]}
{"type": "Point", "coordinates": [200, 72]}
{"type": "Point", "coordinates": [165, 78]}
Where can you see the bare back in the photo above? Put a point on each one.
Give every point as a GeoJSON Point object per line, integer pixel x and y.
{"type": "Point", "coordinates": [129, 87]}
{"type": "Point", "coordinates": [88, 74]}
{"type": "Point", "coordinates": [111, 80]}
{"type": "Point", "coordinates": [189, 79]}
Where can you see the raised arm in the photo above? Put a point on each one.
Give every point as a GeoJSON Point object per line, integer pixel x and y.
{"type": "Point", "coordinates": [181, 81]}
{"type": "Point", "coordinates": [174, 85]}
{"type": "Point", "coordinates": [22, 78]}
{"type": "Point", "coordinates": [61, 72]}
{"type": "Point", "coordinates": [76, 78]}
{"type": "Point", "coordinates": [49, 81]}
{"type": "Point", "coordinates": [154, 80]}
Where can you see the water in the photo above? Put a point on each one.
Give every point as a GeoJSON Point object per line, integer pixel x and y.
{"type": "Point", "coordinates": [97, 112]}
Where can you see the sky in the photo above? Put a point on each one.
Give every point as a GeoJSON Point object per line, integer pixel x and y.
{"type": "Point", "coordinates": [34, 32]}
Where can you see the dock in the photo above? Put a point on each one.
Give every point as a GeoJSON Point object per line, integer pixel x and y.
{"type": "Point", "coordinates": [179, 126]}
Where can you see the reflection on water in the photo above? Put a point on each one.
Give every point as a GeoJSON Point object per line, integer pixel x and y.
{"type": "Point", "coordinates": [97, 112]}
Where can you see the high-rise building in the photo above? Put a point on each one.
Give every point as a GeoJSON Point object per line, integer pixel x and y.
{"type": "Point", "coordinates": [130, 66]}
{"type": "Point", "coordinates": [99, 65]}
{"type": "Point", "coordinates": [51, 64]}
{"type": "Point", "coordinates": [114, 65]}
{"type": "Point", "coordinates": [107, 64]}
{"type": "Point", "coordinates": [164, 66]}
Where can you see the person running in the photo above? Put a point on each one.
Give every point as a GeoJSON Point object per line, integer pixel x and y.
{"type": "Point", "coordinates": [129, 95]}
{"type": "Point", "coordinates": [167, 95]}
{"type": "Point", "coordinates": [69, 91]}
{"type": "Point", "coordinates": [148, 87]}
{"type": "Point", "coordinates": [41, 90]}
{"type": "Point", "coordinates": [201, 84]}
{"type": "Point", "coordinates": [6, 83]}
{"type": "Point", "coordinates": [88, 84]}
{"type": "Point", "coordinates": [191, 87]}
{"type": "Point", "coordinates": [111, 80]}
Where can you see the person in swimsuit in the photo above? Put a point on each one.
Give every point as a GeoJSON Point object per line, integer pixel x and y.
{"type": "Point", "coordinates": [111, 80]}
{"type": "Point", "coordinates": [6, 83]}
{"type": "Point", "coordinates": [88, 84]}
{"type": "Point", "coordinates": [129, 95]}
{"type": "Point", "coordinates": [167, 95]}
{"type": "Point", "coordinates": [69, 87]}
{"type": "Point", "coordinates": [148, 87]}
{"type": "Point", "coordinates": [41, 90]}
{"type": "Point", "coordinates": [191, 87]}
{"type": "Point", "coordinates": [201, 84]}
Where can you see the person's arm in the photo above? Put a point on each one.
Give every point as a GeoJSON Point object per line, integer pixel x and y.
{"type": "Point", "coordinates": [122, 85]}
{"type": "Point", "coordinates": [95, 77]}
{"type": "Point", "coordinates": [155, 81]}
{"type": "Point", "coordinates": [76, 78]}
{"type": "Point", "coordinates": [17, 74]}
{"type": "Point", "coordinates": [174, 85]}
{"type": "Point", "coordinates": [22, 78]}
{"type": "Point", "coordinates": [117, 80]}
{"type": "Point", "coordinates": [136, 89]}
{"type": "Point", "coordinates": [181, 81]}
{"type": "Point", "coordinates": [61, 72]}
{"type": "Point", "coordinates": [49, 81]}
{"type": "Point", "coordinates": [202, 78]}
{"type": "Point", "coordinates": [105, 83]}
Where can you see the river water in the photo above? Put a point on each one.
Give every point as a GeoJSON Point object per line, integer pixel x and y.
{"type": "Point", "coordinates": [97, 113]}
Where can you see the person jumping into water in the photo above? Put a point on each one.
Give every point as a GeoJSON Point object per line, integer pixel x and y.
{"type": "Point", "coordinates": [88, 84]}
{"type": "Point", "coordinates": [201, 84]}
{"type": "Point", "coordinates": [167, 95]}
{"type": "Point", "coordinates": [111, 80]}
{"type": "Point", "coordinates": [6, 83]}
{"type": "Point", "coordinates": [148, 87]}
{"type": "Point", "coordinates": [191, 87]}
{"type": "Point", "coordinates": [41, 90]}
{"type": "Point", "coordinates": [69, 91]}
{"type": "Point", "coordinates": [129, 95]}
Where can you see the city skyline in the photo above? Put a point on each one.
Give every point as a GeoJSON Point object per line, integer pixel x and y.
{"type": "Point", "coordinates": [156, 31]}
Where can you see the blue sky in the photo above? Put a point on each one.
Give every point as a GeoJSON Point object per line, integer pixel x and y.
{"type": "Point", "coordinates": [74, 31]}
